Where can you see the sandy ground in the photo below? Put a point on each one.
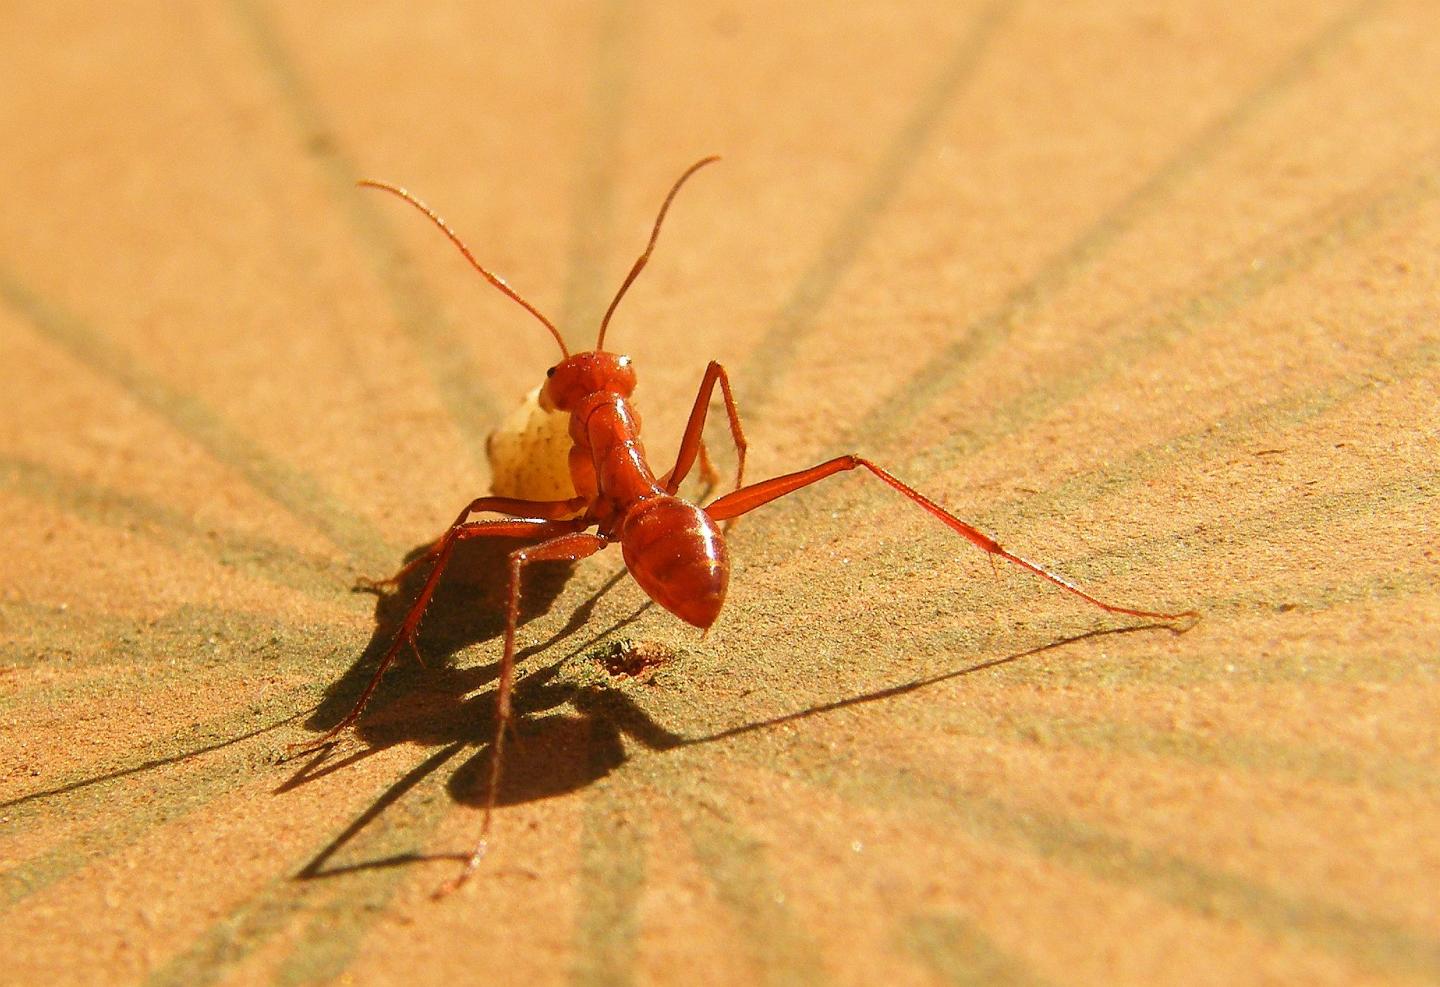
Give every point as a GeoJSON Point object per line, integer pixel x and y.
{"type": "Point", "coordinates": [1147, 291]}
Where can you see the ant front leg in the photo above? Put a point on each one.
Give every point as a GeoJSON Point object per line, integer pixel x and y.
{"type": "Point", "coordinates": [544, 510]}
{"type": "Point", "coordinates": [460, 531]}
{"type": "Point", "coordinates": [568, 547]}
{"type": "Point", "coordinates": [748, 498]}
{"type": "Point", "coordinates": [692, 444]}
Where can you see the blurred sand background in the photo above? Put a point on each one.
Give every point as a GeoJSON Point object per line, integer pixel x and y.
{"type": "Point", "coordinates": [1147, 290]}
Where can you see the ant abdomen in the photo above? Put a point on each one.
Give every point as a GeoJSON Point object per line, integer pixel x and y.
{"type": "Point", "coordinates": [677, 555]}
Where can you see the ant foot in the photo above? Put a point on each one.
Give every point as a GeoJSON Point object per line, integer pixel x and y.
{"type": "Point", "coordinates": [307, 747]}
{"type": "Point", "coordinates": [452, 885]}
{"type": "Point", "coordinates": [380, 587]}
{"type": "Point", "coordinates": [1183, 622]}
{"type": "Point", "coordinates": [315, 745]}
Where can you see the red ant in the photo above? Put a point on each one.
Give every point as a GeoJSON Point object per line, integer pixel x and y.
{"type": "Point", "coordinates": [673, 548]}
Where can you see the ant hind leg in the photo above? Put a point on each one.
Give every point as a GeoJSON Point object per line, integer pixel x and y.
{"type": "Point", "coordinates": [747, 499]}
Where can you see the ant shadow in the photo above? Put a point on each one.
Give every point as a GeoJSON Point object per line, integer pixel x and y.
{"type": "Point", "coordinates": [567, 736]}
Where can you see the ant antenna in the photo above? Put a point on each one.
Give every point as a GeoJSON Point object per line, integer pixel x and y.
{"type": "Point", "coordinates": [654, 235]}
{"type": "Point", "coordinates": [496, 280]}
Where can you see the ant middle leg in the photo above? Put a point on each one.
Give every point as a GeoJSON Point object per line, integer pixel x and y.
{"type": "Point", "coordinates": [568, 547]}
{"type": "Point", "coordinates": [747, 499]}
{"type": "Point", "coordinates": [512, 528]}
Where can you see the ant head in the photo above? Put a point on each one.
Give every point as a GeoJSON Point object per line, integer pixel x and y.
{"type": "Point", "coordinates": [569, 381]}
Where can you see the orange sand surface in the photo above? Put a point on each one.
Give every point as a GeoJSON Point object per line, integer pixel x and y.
{"type": "Point", "coordinates": [1151, 292]}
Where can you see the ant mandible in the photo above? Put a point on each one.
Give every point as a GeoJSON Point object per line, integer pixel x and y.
{"type": "Point", "coordinates": [674, 548]}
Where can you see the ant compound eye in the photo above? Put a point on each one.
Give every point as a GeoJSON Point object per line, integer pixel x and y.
{"type": "Point", "coordinates": [550, 372]}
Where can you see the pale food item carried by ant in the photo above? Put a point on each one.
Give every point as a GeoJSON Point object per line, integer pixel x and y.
{"type": "Point", "coordinates": [530, 453]}
{"type": "Point", "coordinates": [673, 547]}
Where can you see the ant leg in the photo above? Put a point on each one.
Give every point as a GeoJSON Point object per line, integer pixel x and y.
{"type": "Point", "coordinates": [691, 444]}
{"type": "Point", "coordinates": [566, 547]}
{"type": "Point", "coordinates": [546, 510]}
{"type": "Point", "coordinates": [514, 528]}
{"type": "Point", "coordinates": [709, 475]}
{"type": "Point", "coordinates": [748, 498]}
